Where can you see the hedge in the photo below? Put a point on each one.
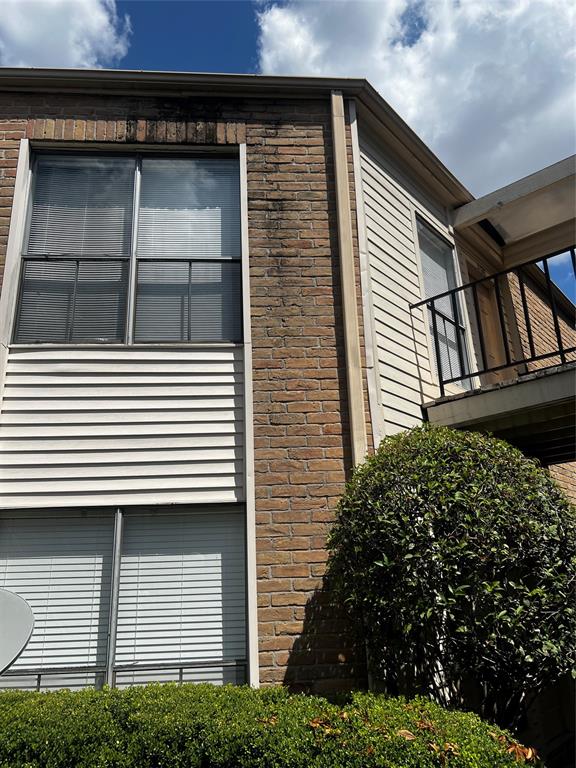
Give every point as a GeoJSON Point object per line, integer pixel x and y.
{"type": "Point", "coordinates": [202, 726]}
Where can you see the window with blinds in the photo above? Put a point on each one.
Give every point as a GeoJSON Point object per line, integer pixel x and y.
{"type": "Point", "coordinates": [168, 227]}
{"type": "Point", "coordinates": [439, 276]}
{"type": "Point", "coordinates": [181, 611]}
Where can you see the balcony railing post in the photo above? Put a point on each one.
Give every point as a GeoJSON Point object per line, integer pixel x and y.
{"type": "Point", "coordinates": [554, 310]}
{"type": "Point", "coordinates": [502, 320]}
{"type": "Point", "coordinates": [432, 309]}
{"type": "Point", "coordinates": [459, 348]}
{"type": "Point", "coordinates": [479, 324]}
{"type": "Point", "coordinates": [526, 313]}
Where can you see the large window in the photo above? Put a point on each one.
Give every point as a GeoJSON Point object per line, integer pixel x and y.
{"type": "Point", "coordinates": [445, 315]}
{"type": "Point", "coordinates": [132, 249]}
{"type": "Point", "coordinates": [180, 612]}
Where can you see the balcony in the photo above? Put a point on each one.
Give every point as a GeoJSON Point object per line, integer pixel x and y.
{"type": "Point", "coordinates": [505, 352]}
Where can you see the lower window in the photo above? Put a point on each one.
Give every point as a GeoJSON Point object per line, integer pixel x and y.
{"type": "Point", "coordinates": [181, 596]}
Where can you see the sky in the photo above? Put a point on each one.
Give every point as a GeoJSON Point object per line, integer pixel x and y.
{"type": "Point", "coordinates": [489, 85]}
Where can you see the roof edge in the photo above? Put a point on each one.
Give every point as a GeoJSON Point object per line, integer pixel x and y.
{"type": "Point", "coordinates": [128, 82]}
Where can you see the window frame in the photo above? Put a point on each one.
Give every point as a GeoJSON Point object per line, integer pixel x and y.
{"type": "Point", "coordinates": [420, 220]}
{"type": "Point", "coordinates": [138, 154]}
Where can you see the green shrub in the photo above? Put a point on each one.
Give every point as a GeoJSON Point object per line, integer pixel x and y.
{"type": "Point", "coordinates": [170, 726]}
{"type": "Point", "coordinates": [457, 554]}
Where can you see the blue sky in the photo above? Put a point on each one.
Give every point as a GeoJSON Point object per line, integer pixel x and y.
{"type": "Point", "coordinates": [218, 36]}
{"type": "Point", "coordinates": [487, 84]}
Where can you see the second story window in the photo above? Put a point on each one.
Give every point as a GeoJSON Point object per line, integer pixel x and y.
{"type": "Point", "coordinates": [132, 249]}
{"type": "Point", "coordinates": [445, 314]}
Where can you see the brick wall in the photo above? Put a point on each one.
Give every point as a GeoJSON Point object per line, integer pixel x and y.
{"type": "Point", "coordinates": [301, 421]}
{"type": "Point", "coordinates": [545, 340]}
{"type": "Point", "coordinates": [541, 323]}
{"type": "Point", "coordinates": [565, 476]}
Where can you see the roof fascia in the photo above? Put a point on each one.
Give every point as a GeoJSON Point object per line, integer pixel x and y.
{"type": "Point", "coordinates": [388, 125]}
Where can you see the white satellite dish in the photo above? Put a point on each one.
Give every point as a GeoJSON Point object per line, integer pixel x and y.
{"type": "Point", "coordinates": [16, 625]}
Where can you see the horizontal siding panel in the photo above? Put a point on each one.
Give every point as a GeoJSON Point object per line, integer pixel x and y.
{"type": "Point", "coordinates": [200, 426]}
{"type": "Point", "coordinates": [403, 355]}
{"type": "Point", "coordinates": [127, 404]}
{"type": "Point", "coordinates": [191, 495]}
{"type": "Point", "coordinates": [128, 390]}
{"type": "Point", "coordinates": [95, 426]}
{"type": "Point", "coordinates": [51, 486]}
{"type": "Point", "coordinates": [120, 354]}
{"type": "Point", "coordinates": [167, 469]}
{"type": "Point", "coordinates": [112, 443]}
{"type": "Point", "coordinates": [123, 458]}
{"type": "Point", "coordinates": [118, 417]}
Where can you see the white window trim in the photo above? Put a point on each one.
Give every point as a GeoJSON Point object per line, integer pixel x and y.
{"type": "Point", "coordinates": [249, 481]}
{"type": "Point", "coordinates": [16, 233]}
{"type": "Point", "coordinates": [448, 237]}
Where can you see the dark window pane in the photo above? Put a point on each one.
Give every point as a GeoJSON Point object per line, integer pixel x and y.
{"type": "Point", "coordinates": [188, 301]}
{"type": "Point", "coordinates": [162, 302]}
{"type": "Point", "coordinates": [100, 306]}
{"type": "Point", "coordinates": [45, 310]}
{"type": "Point", "coordinates": [72, 301]}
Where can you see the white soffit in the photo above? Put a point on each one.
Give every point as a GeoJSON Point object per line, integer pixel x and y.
{"type": "Point", "coordinates": [530, 205]}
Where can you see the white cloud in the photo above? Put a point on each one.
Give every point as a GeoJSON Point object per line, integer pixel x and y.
{"type": "Point", "coordinates": [489, 85]}
{"type": "Point", "coordinates": [62, 33]}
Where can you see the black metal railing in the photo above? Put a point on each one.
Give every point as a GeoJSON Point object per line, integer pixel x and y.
{"type": "Point", "coordinates": [45, 676]}
{"type": "Point", "coordinates": [529, 323]}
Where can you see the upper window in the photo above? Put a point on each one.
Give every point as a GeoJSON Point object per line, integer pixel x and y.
{"type": "Point", "coordinates": [445, 314]}
{"type": "Point", "coordinates": [130, 249]}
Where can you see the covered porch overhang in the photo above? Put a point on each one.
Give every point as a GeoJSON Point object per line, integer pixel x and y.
{"type": "Point", "coordinates": [531, 216]}
{"type": "Point", "coordinates": [536, 412]}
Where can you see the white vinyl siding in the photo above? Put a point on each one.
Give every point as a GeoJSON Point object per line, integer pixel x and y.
{"type": "Point", "coordinates": [403, 360]}
{"type": "Point", "coordinates": [62, 567]}
{"type": "Point", "coordinates": [182, 590]}
{"type": "Point", "coordinates": [122, 425]}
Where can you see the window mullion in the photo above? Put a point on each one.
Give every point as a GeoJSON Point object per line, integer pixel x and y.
{"type": "Point", "coordinates": [70, 329]}
{"type": "Point", "coordinates": [114, 596]}
{"type": "Point", "coordinates": [131, 303]}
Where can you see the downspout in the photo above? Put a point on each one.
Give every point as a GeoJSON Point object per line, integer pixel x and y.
{"type": "Point", "coordinates": [348, 283]}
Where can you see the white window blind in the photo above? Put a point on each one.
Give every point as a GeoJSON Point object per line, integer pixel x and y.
{"type": "Point", "coordinates": [437, 261]}
{"type": "Point", "coordinates": [82, 206]}
{"type": "Point", "coordinates": [182, 596]}
{"type": "Point", "coordinates": [62, 567]}
{"type": "Point", "coordinates": [188, 301]}
{"type": "Point", "coordinates": [189, 207]}
{"type": "Point", "coordinates": [182, 589]}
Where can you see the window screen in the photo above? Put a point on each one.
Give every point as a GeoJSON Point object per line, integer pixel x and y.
{"type": "Point", "coordinates": [437, 261]}
{"type": "Point", "coordinates": [80, 252]}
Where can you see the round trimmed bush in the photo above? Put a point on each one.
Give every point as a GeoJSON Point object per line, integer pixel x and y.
{"type": "Point", "coordinates": [457, 555]}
